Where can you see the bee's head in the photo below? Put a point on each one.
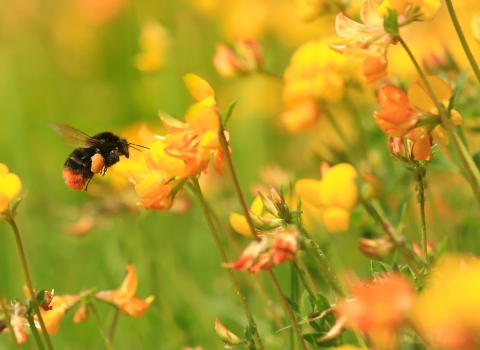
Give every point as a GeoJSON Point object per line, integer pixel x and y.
{"type": "Point", "coordinates": [122, 146]}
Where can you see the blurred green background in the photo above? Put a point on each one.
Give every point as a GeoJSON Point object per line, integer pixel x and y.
{"type": "Point", "coordinates": [73, 62]}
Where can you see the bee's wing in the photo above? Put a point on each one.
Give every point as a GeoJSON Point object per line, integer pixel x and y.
{"type": "Point", "coordinates": [73, 136]}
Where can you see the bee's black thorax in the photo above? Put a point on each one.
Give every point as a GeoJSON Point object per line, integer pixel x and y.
{"type": "Point", "coordinates": [111, 148]}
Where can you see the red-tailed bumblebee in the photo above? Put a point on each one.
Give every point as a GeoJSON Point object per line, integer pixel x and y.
{"type": "Point", "coordinates": [94, 155]}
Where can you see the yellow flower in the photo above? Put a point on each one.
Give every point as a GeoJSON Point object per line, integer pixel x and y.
{"type": "Point", "coordinates": [239, 223]}
{"type": "Point", "coordinates": [10, 187]}
{"type": "Point", "coordinates": [420, 10]}
{"type": "Point", "coordinates": [336, 193]}
{"type": "Point", "coordinates": [315, 72]}
{"type": "Point", "coordinates": [124, 298]}
{"type": "Point", "coordinates": [447, 309]}
{"type": "Point", "coordinates": [153, 42]}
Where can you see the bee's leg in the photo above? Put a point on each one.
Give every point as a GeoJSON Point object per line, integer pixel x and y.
{"type": "Point", "coordinates": [86, 187]}
{"type": "Point", "coordinates": [104, 170]}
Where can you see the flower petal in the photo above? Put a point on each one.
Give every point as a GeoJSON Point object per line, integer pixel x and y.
{"type": "Point", "coordinates": [198, 87]}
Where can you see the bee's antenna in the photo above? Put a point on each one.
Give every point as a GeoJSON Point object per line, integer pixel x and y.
{"type": "Point", "coordinates": [134, 144]}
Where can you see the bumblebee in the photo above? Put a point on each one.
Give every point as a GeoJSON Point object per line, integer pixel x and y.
{"type": "Point", "coordinates": [93, 155]}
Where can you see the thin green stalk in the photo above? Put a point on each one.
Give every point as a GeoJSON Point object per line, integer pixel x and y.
{"type": "Point", "coordinates": [397, 241]}
{"type": "Point", "coordinates": [224, 259]}
{"type": "Point", "coordinates": [289, 311]}
{"type": "Point", "coordinates": [34, 331]}
{"type": "Point", "coordinates": [326, 269]}
{"type": "Point", "coordinates": [11, 221]}
{"type": "Point", "coordinates": [7, 320]}
{"type": "Point", "coordinates": [465, 46]}
{"type": "Point", "coordinates": [236, 185]}
{"type": "Point", "coordinates": [473, 175]}
{"type": "Point", "coordinates": [113, 326]}
{"type": "Point", "coordinates": [100, 326]}
{"type": "Point", "coordinates": [301, 274]}
{"type": "Point", "coordinates": [421, 200]}
{"type": "Point", "coordinates": [246, 211]}
{"type": "Point", "coordinates": [341, 135]}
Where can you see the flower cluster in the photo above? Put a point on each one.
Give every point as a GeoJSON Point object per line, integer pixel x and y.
{"type": "Point", "coordinates": [185, 151]}
{"type": "Point", "coordinates": [273, 249]}
{"type": "Point", "coordinates": [369, 41]}
{"type": "Point", "coordinates": [336, 194]}
{"type": "Point", "coordinates": [414, 115]}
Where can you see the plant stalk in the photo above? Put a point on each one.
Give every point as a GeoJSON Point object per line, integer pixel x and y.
{"type": "Point", "coordinates": [236, 185]}
{"type": "Point", "coordinates": [224, 259]}
{"type": "Point", "coordinates": [463, 41]}
{"type": "Point", "coordinates": [11, 221]}
{"type": "Point", "coordinates": [100, 326]}
{"type": "Point", "coordinates": [34, 330]}
{"type": "Point", "coordinates": [326, 269]}
{"type": "Point", "coordinates": [288, 309]}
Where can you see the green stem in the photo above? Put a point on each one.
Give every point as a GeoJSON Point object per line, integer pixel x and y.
{"type": "Point", "coordinates": [246, 211]}
{"type": "Point", "coordinates": [398, 241]}
{"type": "Point", "coordinates": [473, 175]}
{"type": "Point", "coordinates": [325, 268]}
{"type": "Point", "coordinates": [100, 326]}
{"type": "Point", "coordinates": [341, 135]}
{"type": "Point", "coordinates": [224, 259]}
{"type": "Point", "coordinates": [34, 331]}
{"type": "Point", "coordinates": [236, 185]}
{"type": "Point", "coordinates": [114, 324]}
{"type": "Point", "coordinates": [301, 274]}
{"type": "Point", "coordinates": [9, 218]}
{"type": "Point", "coordinates": [421, 200]}
{"type": "Point", "coordinates": [289, 311]}
{"type": "Point", "coordinates": [8, 321]}
{"type": "Point", "coordinates": [465, 46]}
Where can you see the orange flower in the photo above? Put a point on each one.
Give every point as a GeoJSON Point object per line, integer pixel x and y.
{"type": "Point", "coordinates": [59, 305]}
{"type": "Point", "coordinates": [270, 251]}
{"type": "Point", "coordinates": [379, 309]}
{"type": "Point", "coordinates": [10, 187]}
{"type": "Point", "coordinates": [124, 298]}
{"type": "Point", "coordinates": [397, 116]}
{"type": "Point", "coordinates": [401, 111]}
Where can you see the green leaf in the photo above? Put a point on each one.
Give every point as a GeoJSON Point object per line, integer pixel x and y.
{"type": "Point", "coordinates": [296, 308]}
{"type": "Point", "coordinates": [378, 268]}
{"type": "Point", "coordinates": [312, 339]}
{"type": "Point", "coordinates": [322, 305]}
{"type": "Point", "coordinates": [248, 333]}
{"type": "Point", "coordinates": [308, 305]}
{"type": "Point", "coordinates": [390, 22]}
{"type": "Point", "coordinates": [295, 214]}
{"type": "Point", "coordinates": [229, 112]}
{"type": "Point", "coordinates": [40, 296]}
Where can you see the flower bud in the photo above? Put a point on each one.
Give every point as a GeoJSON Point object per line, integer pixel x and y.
{"type": "Point", "coordinates": [430, 249]}
{"type": "Point", "coordinates": [280, 205]}
{"type": "Point", "coordinates": [265, 224]}
{"type": "Point", "coordinates": [376, 248]}
{"type": "Point", "coordinates": [227, 336]}
{"type": "Point", "coordinates": [268, 205]}
{"type": "Point", "coordinates": [397, 147]}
